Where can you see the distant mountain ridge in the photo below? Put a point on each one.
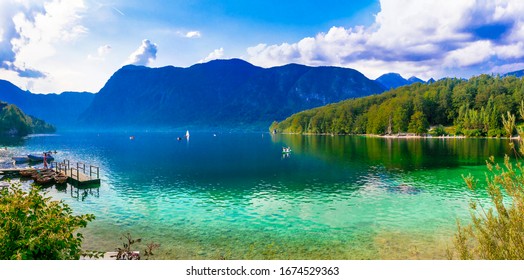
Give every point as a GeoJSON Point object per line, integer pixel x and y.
{"type": "Point", "coordinates": [58, 109]}
{"type": "Point", "coordinates": [395, 80]}
{"type": "Point", "coordinates": [220, 92]}
{"type": "Point", "coordinates": [518, 74]}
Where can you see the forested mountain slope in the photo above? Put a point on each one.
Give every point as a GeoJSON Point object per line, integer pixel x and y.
{"type": "Point", "coordinates": [474, 107]}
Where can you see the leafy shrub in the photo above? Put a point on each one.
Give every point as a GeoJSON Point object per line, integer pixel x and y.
{"type": "Point", "coordinates": [472, 132]}
{"type": "Point", "coordinates": [439, 130]}
{"type": "Point", "coordinates": [495, 132]}
{"type": "Point", "coordinates": [127, 253]}
{"type": "Point", "coordinates": [496, 232]}
{"type": "Point", "coordinates": [33, 227]}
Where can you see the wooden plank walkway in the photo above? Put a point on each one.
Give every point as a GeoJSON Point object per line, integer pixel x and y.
{"type": "Point", "coordinates": [77, 176]}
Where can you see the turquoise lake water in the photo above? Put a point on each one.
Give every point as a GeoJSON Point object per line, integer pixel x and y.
{"type": "Point", "coordinates": [235, 196]}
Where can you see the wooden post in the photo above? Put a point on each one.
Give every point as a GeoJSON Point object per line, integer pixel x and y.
{"type": "Point", "coordinates": [91, 167]}
{"type": "Point", "coordinates": [73, 174]}
{"type": "Point", "coordinates": [78, 164]}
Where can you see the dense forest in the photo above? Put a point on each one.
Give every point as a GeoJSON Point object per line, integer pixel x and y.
{"type": "Point", "coordinates": [474, 107]}
{"type": "Point", "coordinates": [15, 123]}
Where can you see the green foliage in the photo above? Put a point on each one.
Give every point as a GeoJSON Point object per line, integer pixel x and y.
{"type": "Point", "coordinates": [33, 227]}
{"type": "Point", "coordinates": [472, 132]}
{"type": "Point", "coordinates": [509, 124]}
{"type": "Point", "coordinates": [473, 107]}
{"type": "Point", "coordinates": [439, 130]}
{"type": "Point", "coordinates": [497, 232]}
{"type": "Point", "coordinates": [273, 127]}
{"type": "Point", "coordinates": [496, 132]}
{"type": "Point", "coordinates": [14, 122]}
{"type": "Point", "coordinates": [418, 123]}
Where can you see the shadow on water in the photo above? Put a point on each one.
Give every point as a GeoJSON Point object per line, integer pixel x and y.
{"type": "Point", "coordinates": [75, 192]}
{"type": "Point", "coordinates": [11, 141]}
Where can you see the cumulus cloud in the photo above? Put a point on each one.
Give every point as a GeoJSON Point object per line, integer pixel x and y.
{"type": "Point", "coordinates": [193, 34]}
{"type": "Point", "coordinates": [101, 53]}
{"type": "Point", "coordinates": [144, 55]}
{"type": "Point", "coordinates": [32, 31]}
{"type": "Point", "coordinates": [216, 54]}
{"type": "Point", "coordinates": [423, 38]}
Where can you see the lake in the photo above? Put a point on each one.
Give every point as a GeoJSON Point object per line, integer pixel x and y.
{"type": "Point", "coordinates": [236, 196]}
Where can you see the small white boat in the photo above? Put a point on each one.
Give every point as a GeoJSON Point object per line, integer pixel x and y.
{"type": "Point", "coordinates": [187, 133]}
{"type": "Point", "coordinates": [286, 150]}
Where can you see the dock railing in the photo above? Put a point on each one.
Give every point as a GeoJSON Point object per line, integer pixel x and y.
{"type": "Point", "coordinates": [92, 171]}
{"type": "Point", "coordinates": [79, 173]}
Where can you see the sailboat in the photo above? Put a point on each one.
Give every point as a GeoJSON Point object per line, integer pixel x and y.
{"type": "Point", "coordinates": [187, 134]}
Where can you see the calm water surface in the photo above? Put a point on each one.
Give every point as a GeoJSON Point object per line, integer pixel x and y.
{"type": "Point", "coordinates": [235, 196]}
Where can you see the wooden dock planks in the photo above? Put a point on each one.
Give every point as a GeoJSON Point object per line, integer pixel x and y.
{"type": "Point", "coordinates": [79, 178]}
{"type": "Point", "coordinates": [76, 176]}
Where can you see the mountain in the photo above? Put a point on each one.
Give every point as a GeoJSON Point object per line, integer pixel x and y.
{"type": "Point", "coordinates": [394, 80]}
{"type": "Point", "coordinates": [59, 109]}
{"type": "Point", "coordinates": [414, 79]}
{"type": "Point", "coordinates": [229, 93]}
{"type": "Point", "coordinates": [518, 74]}
{"type": "Point", "coordinates": [14, 122]}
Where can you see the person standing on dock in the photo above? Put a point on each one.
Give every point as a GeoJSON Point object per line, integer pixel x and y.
{"type": "Point", "coordinates": [45, 160]}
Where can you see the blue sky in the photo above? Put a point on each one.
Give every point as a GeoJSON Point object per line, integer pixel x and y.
{"type": "Point", "coordinates": [76, 45]}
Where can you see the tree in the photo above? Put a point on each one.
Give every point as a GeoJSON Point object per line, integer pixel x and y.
{"type": "Point", "coordinates": [33, 227]}
{"type": "Point", "coordinates": [473, 106]}
{"type": "Point", "coordinates": [273, 127]}
{"type": "Point", "coordinates": [418, 123]}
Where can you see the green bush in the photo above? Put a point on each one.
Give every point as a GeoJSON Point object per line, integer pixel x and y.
{"type": "Point", "coordinates": [439, 130]}
{"type": "Point", "coordinates": [496, 231]}
{"type": "Point", "coordinates": [495, 132]}
{"type": "Point", "coordinates": [472, 132]}
{"type": "Point", "coordinates": [33, 227]}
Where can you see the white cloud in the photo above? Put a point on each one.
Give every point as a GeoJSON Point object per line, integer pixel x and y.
{"type": "Point", "coordinates": [472, 54]}
{"type": "Point", "coordinates": [35, 31]}
{"type": "Point", "coordinates": [507, 68]}
{"type": "Point", "coordinates": [101, 53]}
{"type": "Point", "coordinates": [193, 34]}
{"type": "Point", "coordinates": [424, 38]}
{"type": "Point", "coordinates": [103, 50]}
{"type": "Point", "coordinates": [216, 54]}
{"type": "Point", "coordinates": [144, 55]}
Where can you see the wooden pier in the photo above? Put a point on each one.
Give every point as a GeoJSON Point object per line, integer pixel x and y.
{"type": "Point", "coordinates": [79, 174]}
